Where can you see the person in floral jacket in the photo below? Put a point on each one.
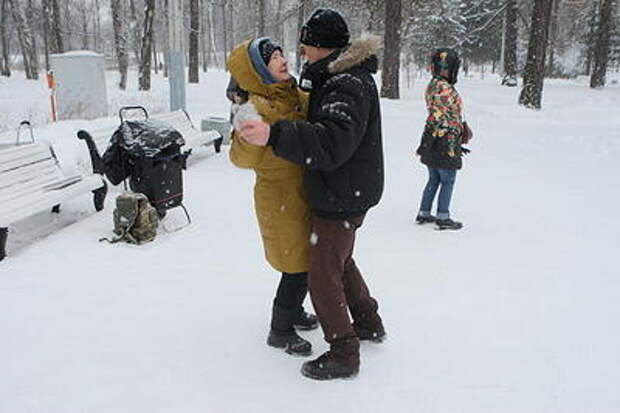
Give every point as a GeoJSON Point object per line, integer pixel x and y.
{"type": "Point", "coordinates": [445, 131]}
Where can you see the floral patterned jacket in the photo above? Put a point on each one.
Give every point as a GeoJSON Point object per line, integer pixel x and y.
{"type": "Point", "coordinates": [441, 141]}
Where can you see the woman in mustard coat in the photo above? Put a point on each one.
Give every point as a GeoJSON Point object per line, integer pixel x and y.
{"type": "Point", "coordinates": [262, 87]}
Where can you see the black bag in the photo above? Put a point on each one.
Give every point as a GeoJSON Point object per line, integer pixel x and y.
{"type": "Point", "coordinates": [149, 154]}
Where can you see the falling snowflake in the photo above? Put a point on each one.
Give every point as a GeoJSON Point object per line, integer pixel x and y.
{"type": "Point", "coordinates": [308, 160]}
{"type": "Point", "coordinates": [358, 193]}
{"type": "Point", "coordinates": [314, 238]}
{"type": "Point", "coordinates": [346, 224]}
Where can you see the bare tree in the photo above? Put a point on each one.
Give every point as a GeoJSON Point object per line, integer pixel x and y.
{"type": "Point", "coordinates": [534, 77]}
{"type": "Point", "coordinates": [194, 33]}
{"type": "Point", "coordinates": [56, 43]}
{"type": "Point", "coordinates": [5, 69]}
{"type": "Point", "coordinates": [26, 42]}
{"type": "Point", "coordinates": [601, 52]}
{"type": "Point", "coordinates": [260, 22]}
{"type": "Point", "coordinates": [301, 16]}
{"type": "Point", "coordinates": [204, 36]}
{"type": "Point", "coordinates": [553, 36]}
{"type": "Point", "coordinates": [147, 46]}
{"type": "Point", "coordinates": [224, 29]}
{"type": "Point", "coordinates": [511, 33]}
{"type": "Point", "coordinates": [134, 30]}
{"type": "Point", "coordinates": [120, 40]}
{"type": "Point", "coordinates": [212, 43]}
{"type": "Point", "coordinates": [84, 9]}
{"type": "Point", "coordinates": [97, 27]}
{"type": "Point", "coordinates": [391, 54]}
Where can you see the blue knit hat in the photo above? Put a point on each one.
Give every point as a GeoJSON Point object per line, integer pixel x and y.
{"type": "Point", "coordinates": [260, 51]}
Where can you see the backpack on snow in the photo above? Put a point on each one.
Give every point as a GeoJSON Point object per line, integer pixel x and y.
{"type": "Point", "coordinates": [135, 219]}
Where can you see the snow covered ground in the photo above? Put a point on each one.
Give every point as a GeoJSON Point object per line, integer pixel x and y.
{"type": "Point", "coordinates": [518, 312]}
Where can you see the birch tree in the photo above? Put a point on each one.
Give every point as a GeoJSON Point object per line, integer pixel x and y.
{"type": "Point", "coordinates": [147, 46]}
{"type": "Point", "coordinates": [120, 40]}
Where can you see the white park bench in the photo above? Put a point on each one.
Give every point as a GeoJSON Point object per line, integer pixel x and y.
{"type": "Point", "coordinates": [32, 181]}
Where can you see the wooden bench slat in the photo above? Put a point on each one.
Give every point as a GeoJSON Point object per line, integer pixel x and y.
{"type": "Point", "coordinates": [23, 188]}
{"type": "Point", "coordinates": [42, 200]}
{"type": "Point", "coordinates": [27, 173]}
{"type": "Point", "coordinates": [12, 158]}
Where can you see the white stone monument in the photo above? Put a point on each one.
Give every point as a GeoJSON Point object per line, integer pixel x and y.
{"type": "Point", "coordinates": [80, 85]}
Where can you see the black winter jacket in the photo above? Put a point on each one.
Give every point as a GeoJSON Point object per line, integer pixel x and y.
{"type": "Point", "coordinates": [340, 144]}
{"type": "Point", "coordinates": [433, 152]}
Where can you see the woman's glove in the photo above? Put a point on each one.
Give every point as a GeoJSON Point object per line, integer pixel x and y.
{"type": "Point", "coordinates": [241, 113]}
{"type": "Point", "coordinates": [467, 135]}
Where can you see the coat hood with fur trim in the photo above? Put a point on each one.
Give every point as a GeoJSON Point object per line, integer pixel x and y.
{"type": "Point", "coordinates": [362, 51]}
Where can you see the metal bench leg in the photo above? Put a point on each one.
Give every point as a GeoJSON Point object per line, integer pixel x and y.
{"type": "Point", "coordinates": [4, 234]}
{"type": "Point", "coordinates": [217, 144]}
{"type": "Point", "coordinates": [99, 197]}
{"type": "Point", "coordinates": [56, 209]}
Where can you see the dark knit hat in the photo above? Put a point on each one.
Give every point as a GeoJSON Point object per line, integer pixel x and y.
{"type": "Point", "coordinates": [325, 28]}
{"type": "Point", "coordinates": [267, 47]}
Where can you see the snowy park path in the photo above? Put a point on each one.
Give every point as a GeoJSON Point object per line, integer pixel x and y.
{"type": "Point", "coordinates": [518, 312]}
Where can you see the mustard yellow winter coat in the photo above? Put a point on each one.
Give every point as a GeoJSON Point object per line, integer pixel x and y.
{"type": "Point", "coordinates": [279, 195]}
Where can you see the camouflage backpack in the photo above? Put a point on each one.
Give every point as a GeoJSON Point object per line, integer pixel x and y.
{"type": "Point", "coordinates": [135, 219]}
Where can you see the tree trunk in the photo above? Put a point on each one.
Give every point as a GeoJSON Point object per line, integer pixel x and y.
{"type": "Point", "coordinates": [194, 33]}
{"type": "Point", "coordinates": [231, 25]}
{"type": "Point", "coordinates": [213, 44]}
{"type": "Point", "coordinates": [147, 46]}
{"type": "Point", "coordinates": [224, 30]}
{"type": "Point", "coordinates": [601, 52]}
{"type": "Point", "coordinates": [278, 29]}
{"type": "Point", "coordinates": [46, 31]}
{"type": "Point", "coordinates": [26, 42]}
{"type": "Point", "coordinates": [5, 69]}
{"type": "Point", "coordinates": [591, 38]}
{"type": "Point", "coordinates": [84, 27]}
{"type": "Point", "coordinates": [155, 60]}
{"type": "Point", "coordinates": [301, 16]}
{"type": "Point", "coordinates": [67, 8]}
{"type": "Point", "coordinates": [553, 37]}
{"type": "Point", "coordinates": [391, 50]}
{"type": "Point", "coordinates": [136, 44]}
{"type": "Point", "coordinates": [204, 42]}
{"type": "Point", "coordinates": [166, 39]}
{"type": "Point", "coordinates": [120, 40]}
{"type": "Point", "coordinates": [97, 27]}
{"type": "Point", "coordinates": [34, 55]}
{"type": "Point", "coordinates": [260, 23]}
{"type": "Point", "coordinates": [55, 40]}
{"type": "Point", "coordinates": [510, 44]}
{"type": "Point", "coordinates": [534, 77]}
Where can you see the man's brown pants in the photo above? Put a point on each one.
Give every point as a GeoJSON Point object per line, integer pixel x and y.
{"type": "Point", "coordinates": [336, 285]}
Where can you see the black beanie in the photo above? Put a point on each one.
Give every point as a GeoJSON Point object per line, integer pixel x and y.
{"type": "Point", "coordinates": [325, 28]}
{"type": "Point", "coordinates": [267, 47]}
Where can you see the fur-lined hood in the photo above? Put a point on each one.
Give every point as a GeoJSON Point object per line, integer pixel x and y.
{"type": "Point", "coordinates": [358, 52]}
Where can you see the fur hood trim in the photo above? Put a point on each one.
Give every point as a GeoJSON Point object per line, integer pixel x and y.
{"type": "Point", "coordinates": [356, 53]}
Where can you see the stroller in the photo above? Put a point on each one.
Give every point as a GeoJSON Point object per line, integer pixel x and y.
{"type": "Point", "coordinates": [148, 153]}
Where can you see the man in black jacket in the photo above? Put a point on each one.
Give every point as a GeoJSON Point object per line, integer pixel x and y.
{"type": "Point", "coordinates": [340, 147]}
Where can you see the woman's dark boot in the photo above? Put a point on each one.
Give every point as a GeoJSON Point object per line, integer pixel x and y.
{"type": "Point", "coordinates": [283, 335]}
{"type": "Point", "coordinates": [306, 321]}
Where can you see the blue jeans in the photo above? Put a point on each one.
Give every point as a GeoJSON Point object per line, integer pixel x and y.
{"type": "Point", "coordinates": [437, 177]}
